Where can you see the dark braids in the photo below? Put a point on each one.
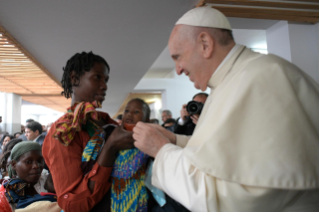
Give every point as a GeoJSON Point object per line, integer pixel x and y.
{"type": "Point", "coordinates": [79, 63]}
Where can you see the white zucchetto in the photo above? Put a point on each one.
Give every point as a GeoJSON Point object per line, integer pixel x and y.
{"type": "Point", "coordinates": [205, 17]}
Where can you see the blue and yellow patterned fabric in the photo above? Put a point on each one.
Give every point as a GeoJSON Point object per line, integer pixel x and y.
{"type": "Point", "coordinates": [128, 192]}
{"type": "Point", "coordinates": [93, 147]}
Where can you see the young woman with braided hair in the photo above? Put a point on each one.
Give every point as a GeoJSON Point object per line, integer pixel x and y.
{"type": "Point", "coordinates": [75, 150]}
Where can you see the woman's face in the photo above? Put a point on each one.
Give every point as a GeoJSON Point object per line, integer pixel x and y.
{"type": "Point", "coordinates": [92, 85]}
{"type": "Point", "coordinates": [29, 167]}
{"type": "Point", "coordinates": [5, 141]}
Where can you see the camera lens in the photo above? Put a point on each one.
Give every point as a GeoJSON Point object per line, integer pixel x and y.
{"type": "Point", "coordinates": [194, 107]}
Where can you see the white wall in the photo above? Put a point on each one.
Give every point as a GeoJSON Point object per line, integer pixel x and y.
{"type": "Point", "coordinates": [304, 44]}
{"type": "Point", "coordinates": [10, 110]}
{"type": "Point", "coordinates": [175, 91]}
{"type": "Point", "coordinates": [297, 43]}
{"type": "Point", "coordinates": [39, 113]}
{"type": "Point", "coordinates": [278, 42]}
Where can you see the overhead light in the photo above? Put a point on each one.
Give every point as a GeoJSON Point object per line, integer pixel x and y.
{"type": "Point", "coordinates": [8, 60]}
{"type": "Point", "coordinates": [9, 64]}
{"type": "Point", "coordinates": [6, 42]}
{"type": "Point", "coordinates": [8, 45]}
{"type": "Point", "coordinates": [0, 34]}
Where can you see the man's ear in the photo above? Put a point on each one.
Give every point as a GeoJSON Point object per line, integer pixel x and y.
{"type": "Point", "coordinates": [38, 132]}
{"type": "Point", "coordinates": [206, 44]}
{"type": "Point", "coordinates": [74, 78]}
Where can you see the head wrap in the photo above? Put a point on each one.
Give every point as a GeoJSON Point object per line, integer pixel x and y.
{"type": "Point", "coordinates": [20, 149]}
{"type": "Point", "coordinates": [205, 17]}
{"type": "Point", "coordinates": [72, 121]}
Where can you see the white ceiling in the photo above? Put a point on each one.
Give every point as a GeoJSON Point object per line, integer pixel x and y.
{"type": "Point", "coordinates": [130, 35]}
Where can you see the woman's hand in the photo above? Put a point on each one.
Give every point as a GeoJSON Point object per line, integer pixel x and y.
{"type": "Point", "coordinates": [120, 139]}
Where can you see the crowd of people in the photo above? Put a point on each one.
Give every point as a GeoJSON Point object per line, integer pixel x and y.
{"type": "Point", "coordinates": [250, 145]}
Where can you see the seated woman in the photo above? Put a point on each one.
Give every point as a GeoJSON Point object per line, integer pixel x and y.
{"type": "Point", "coordinates": [130, 166]}
{"type": "Point", "coordinates": [4, 157]}
{"type": "Point", "coordinates": [17, 134]}
{"type": "Point", "coordinates": [5, 139]}
{"type": "Point", "coordinates": [27, 179]}
{"type": "Point", "coordinates": [74, 149]}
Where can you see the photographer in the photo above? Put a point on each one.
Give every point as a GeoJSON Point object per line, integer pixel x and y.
{"type": "Point", "coordinates": [187, 122]}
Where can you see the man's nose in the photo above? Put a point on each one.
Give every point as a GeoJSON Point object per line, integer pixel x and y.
{"type": "Point", "coordinates": [179, 69]}
{"type": "Point", "coordinates": [103, 86]}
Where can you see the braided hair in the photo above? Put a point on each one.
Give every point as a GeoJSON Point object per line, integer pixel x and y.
{"type": "Point", "coordinates": [79, 63]}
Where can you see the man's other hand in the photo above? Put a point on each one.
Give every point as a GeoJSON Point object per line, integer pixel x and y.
{"type": "Point", "coordinates": [195, 118]}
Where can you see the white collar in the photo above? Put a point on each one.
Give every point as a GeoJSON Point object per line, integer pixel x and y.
{"type": "Point", "coordinates": [37, 138]}
{"type": "Point", "coordinates": [232, 51]}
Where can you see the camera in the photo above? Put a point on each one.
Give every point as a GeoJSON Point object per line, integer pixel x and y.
{"type": "Point", "coordinates": [194, 107]}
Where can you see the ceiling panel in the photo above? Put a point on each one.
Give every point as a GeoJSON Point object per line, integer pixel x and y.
{"type": "Point", "coordinates": [298, 11]}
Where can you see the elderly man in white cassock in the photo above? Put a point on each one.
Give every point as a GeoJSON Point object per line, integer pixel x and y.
{"type": "Point", "coordinates": [256, 144]}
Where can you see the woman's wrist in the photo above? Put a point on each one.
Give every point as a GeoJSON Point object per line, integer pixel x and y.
{"type": "Point", "coordinates": [107, 156]}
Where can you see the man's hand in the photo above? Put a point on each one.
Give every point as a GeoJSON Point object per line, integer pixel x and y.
{"type": "Point", "coordinates": [195, 118]}
{"type": "Point", "coordinates": [184, 113]}
{"type": "Point", "coordinates": [148, 139]}
{"type": "Point", "coordinates": [166, 133]}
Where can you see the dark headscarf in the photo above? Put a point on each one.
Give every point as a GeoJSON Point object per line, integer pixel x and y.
{"type": "Point", "coordinates": [19, 149]}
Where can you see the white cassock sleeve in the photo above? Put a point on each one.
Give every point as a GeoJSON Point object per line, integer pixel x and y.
{"type": "Point", "coordinates": [198, 191]}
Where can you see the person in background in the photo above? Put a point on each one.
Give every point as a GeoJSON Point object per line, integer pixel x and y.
{"type": "Point", "coordinates": [169, 124]}
{"type": "Point", "coordinates": [0, 124]}
{"type": "Point", "coordinates": [5, 140]}
{"type": "Point", "coordinates": [44, 130]}
{"type": "Point", "coordinates": [154, 121]}
{"type": "Point", "coordinates": [49, 126]}
{"type": "Point", "coordinates": [17, 134]}
{"type": "Point", "coordinates": [79, 150]}
{"type": "Point", "coordinates": [4, 158]}
{"type": "Point", "coordinates": [27, 176]}
{"type": "Point", "coordinates": [4, 162]}
{"type": "Point", "coordinates": [23, 136]}
{"type": "Point", "coordinates": [166, 114]}
{"type": "Point", "coordinates": [186, 123]}
{"type": "Point", "coordinates": [33, 132]}
{"type": "Point", "coordinates": [11, 144]}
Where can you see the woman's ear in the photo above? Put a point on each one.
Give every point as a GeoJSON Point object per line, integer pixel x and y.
{"type": "Point", "coordinates": [206, 44]}
{"type": "Point", "coordinates": [75, 80]}
{"type": "Point", "coordinates": [13, 164]}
